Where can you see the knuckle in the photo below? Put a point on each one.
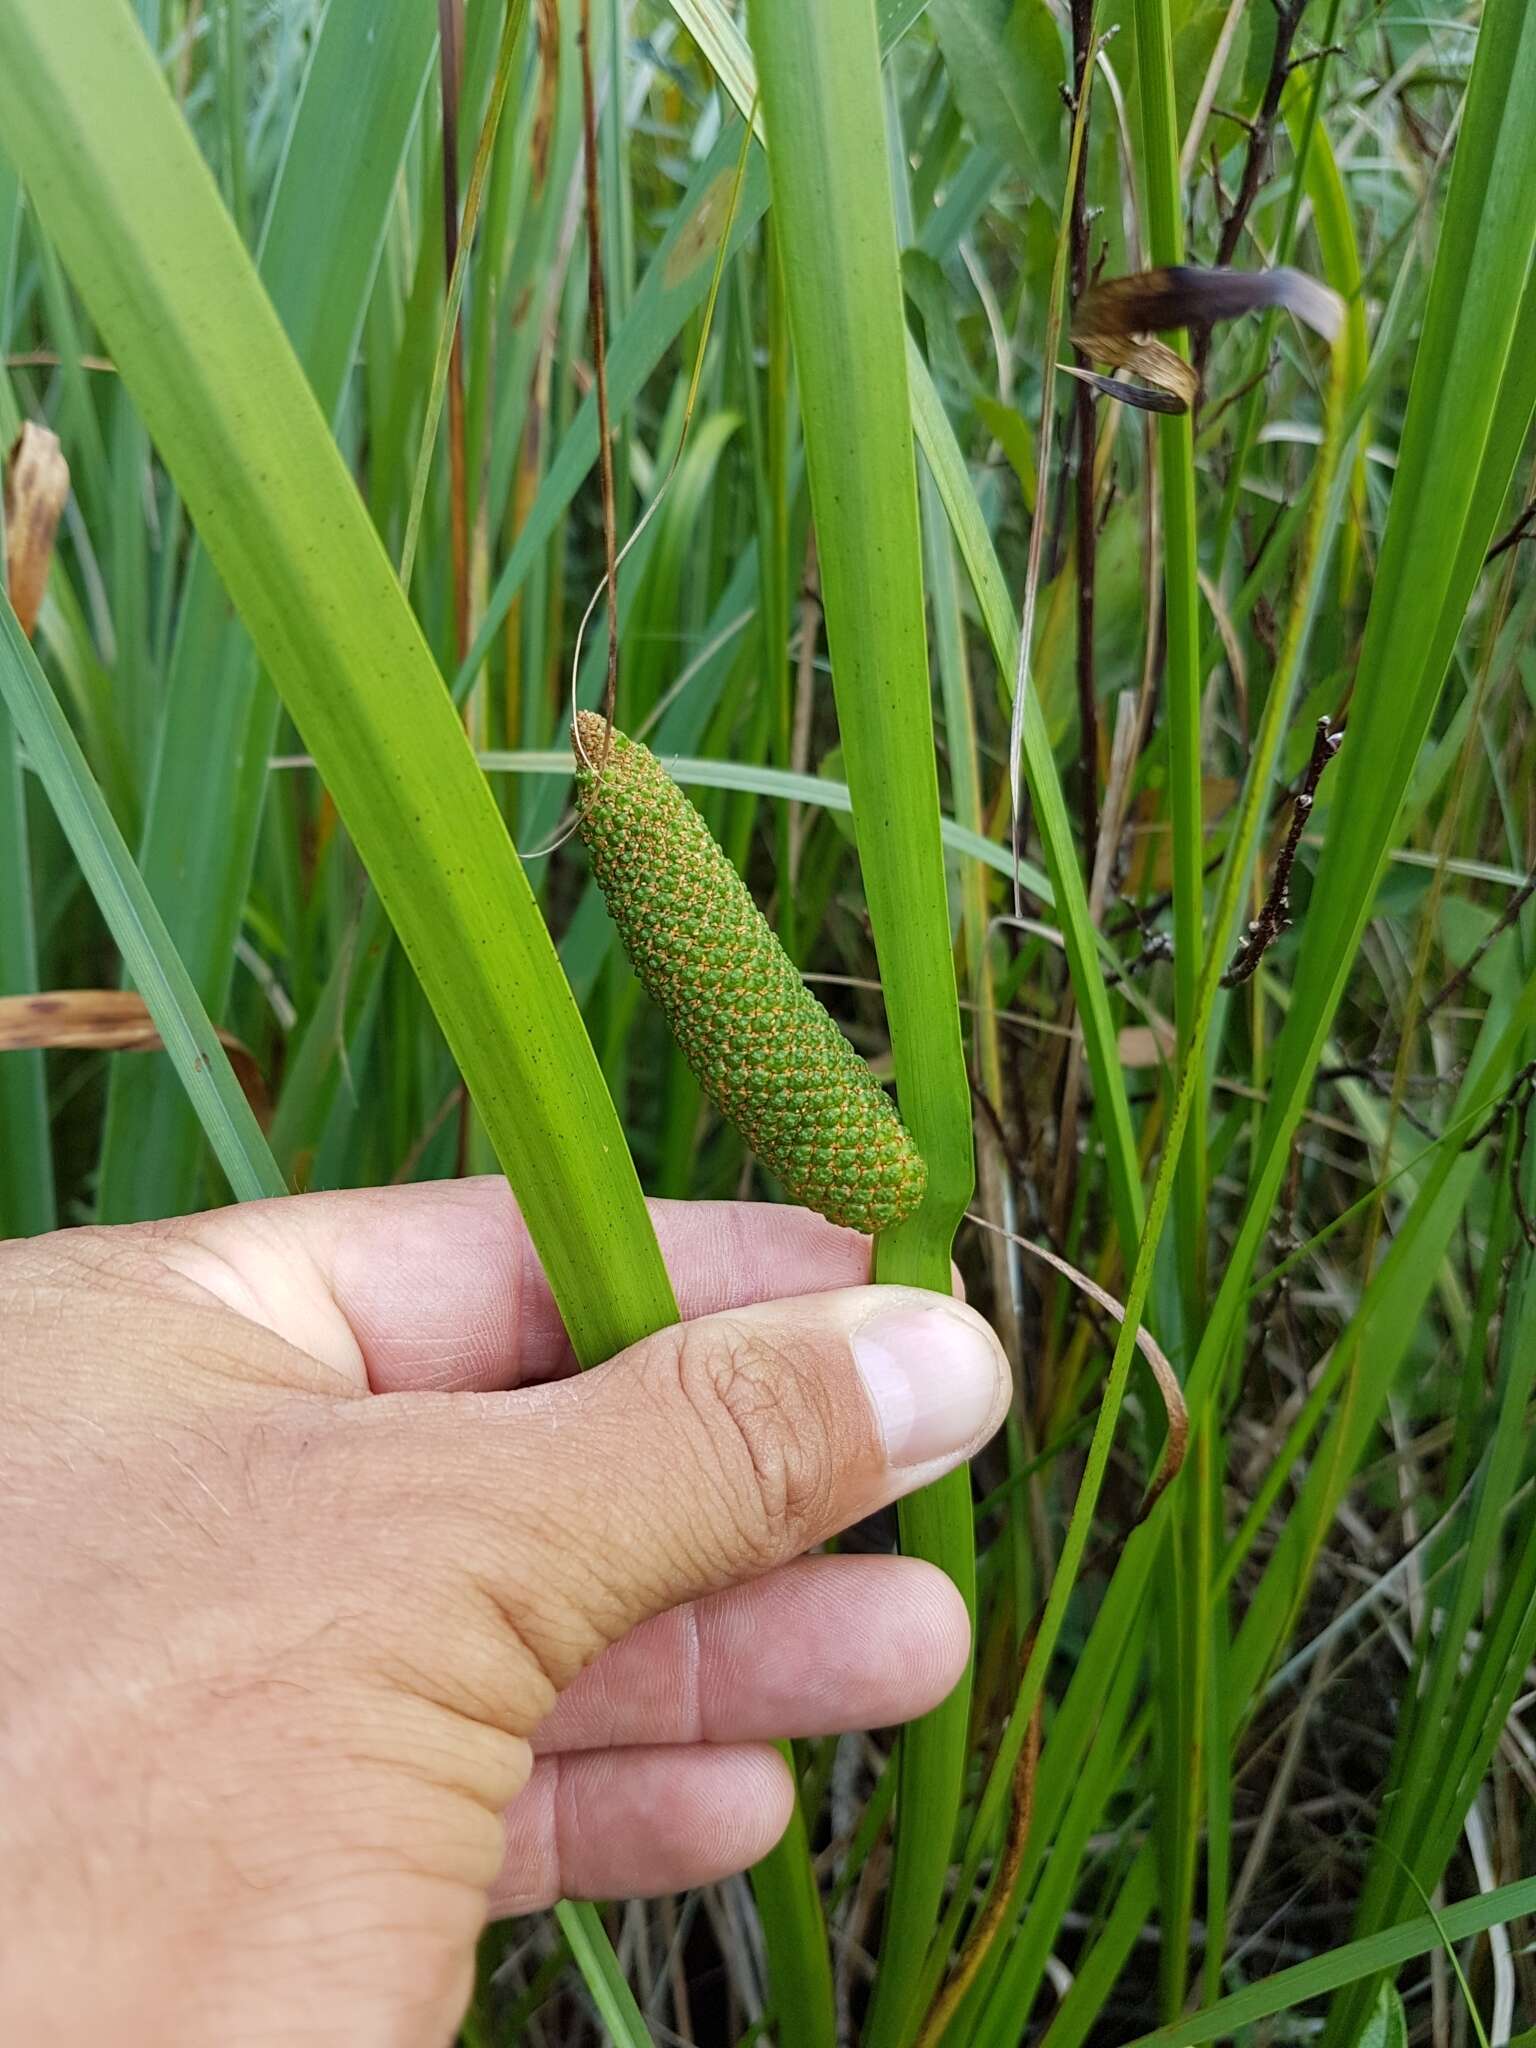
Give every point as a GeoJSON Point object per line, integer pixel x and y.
{"type": "Point", "coordinates": [74, 1305]}
{"type": "Point", "coordinates": [761, 1418]}
{"type": "Point", "coordinates": [41, 1277]}
{"type": "Point", "coordinates": [531, 1643]}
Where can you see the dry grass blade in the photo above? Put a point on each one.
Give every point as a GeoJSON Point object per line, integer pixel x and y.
{"type": "Point", "coordinates": [1157, 1359]}
{"type": "Point", "coordinates": [36, 491]}
{"type": "Point", "coordinates": [999, 1906]}
{"type": "Point", "coordinates": [110, 1020]}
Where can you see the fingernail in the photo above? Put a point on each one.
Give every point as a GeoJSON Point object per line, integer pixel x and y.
{"type": "Point", "coordinates": [936, 1378]}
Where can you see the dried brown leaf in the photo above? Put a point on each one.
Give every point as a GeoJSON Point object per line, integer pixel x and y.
{"type": "Point", "coordinates": [1145, 397]}
{"type": "Point", "coordinates": [109, 1020]}
{"type": "Point", "coordinates": [36, 489]}
{"type": "Point", "coordinates": [1114, 323]}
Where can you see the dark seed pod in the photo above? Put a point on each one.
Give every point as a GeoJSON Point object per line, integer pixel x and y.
{"type": "Point", "coordinates": [763, 1048]}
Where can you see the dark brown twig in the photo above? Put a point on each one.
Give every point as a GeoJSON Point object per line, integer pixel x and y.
{"type": "Point", "coordinates": [1384, 1082]}
{"type": "Point", "coordinates": [1275, 916]}
{"type": "Point", "coordinates": [1506, 1102]}
{"type": "Point", "coordinates": [1157, 949]}
{"type": "Point", "coordinates": [1238, 121]}
{"type": "Point", "coordinates": [1524, 528]}
{"type": "Point", "coordinates": [1517, 1097]}
{"type": "Point", "coordinates": [600, 356]}
{"type": "Point", "coordinates": [1251, 565]}
{"type": "Point", "coordinates": [1230, 398]}
{"type": "Point", "coordinates": [1516, 1167]}
{"type": "Point", "coordinates": [1288, 14]}
{"type": "Point", "coordinates": [1314, 56]}
{"type": "Point", "coordinates": [1495, 931]}
{"type": "Point", "coordinates": [994, 1117]}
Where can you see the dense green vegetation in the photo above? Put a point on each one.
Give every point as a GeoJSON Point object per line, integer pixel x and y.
{"type": "Point", "coordinates": [1000, 693]}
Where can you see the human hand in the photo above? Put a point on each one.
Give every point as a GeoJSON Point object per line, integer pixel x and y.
{"type": "Point", "coordinates": [336, 1614]}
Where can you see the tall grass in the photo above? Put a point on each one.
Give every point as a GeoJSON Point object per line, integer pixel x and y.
{"type": "Point", "coordinates": [1283, 1709]}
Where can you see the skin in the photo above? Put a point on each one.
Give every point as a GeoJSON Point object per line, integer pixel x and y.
{"type": "Point", "coordinates": [339, 1614]}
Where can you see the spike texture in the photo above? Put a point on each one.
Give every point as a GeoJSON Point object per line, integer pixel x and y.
{"type": "Point", "coordinates": [764, 1049]}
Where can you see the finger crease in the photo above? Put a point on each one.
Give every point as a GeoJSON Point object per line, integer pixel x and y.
{"type": "Point", "coordinates": [693, 1675]}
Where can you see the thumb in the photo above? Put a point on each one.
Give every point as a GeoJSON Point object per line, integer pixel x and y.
{"type": "Point", "coordinates": [717, 1449]}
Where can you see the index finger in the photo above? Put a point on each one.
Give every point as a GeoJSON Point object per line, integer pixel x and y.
{"type": "Point", "coordinates": [437, 1287]}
